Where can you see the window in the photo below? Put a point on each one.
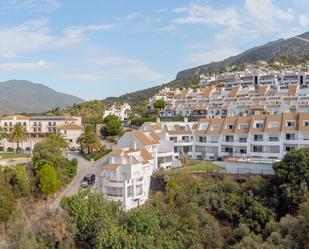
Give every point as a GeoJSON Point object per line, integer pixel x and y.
{"type": "Point", "coordinates": [243, 151]}
{"type": "Point", "coordinates": [202, 139]}
{"type": "Point", "coordinates": [258, 125]}
{"type": "Point", "coordinates": [290, 123]}
{"type": "Point", "coordinates": [289, 148]}
{"type": "Point", "coordinates": [216, 127]}
{"type": "Point", "coordinates": [257, 148]}
{"type": "Point", "coordinates": [24, 124]}
{"type": "Point", "coordinates": [273, 124]}
{"type": "Point", "coordinates": [228, 150]}
{"type": "Point", "coordinates": [242, 139]}
{"type": "Point", "coordinates": [229, 138]}
{"type": "Point", "coordinates": [306, 123]}
{"type": "Point", "coordinates": [258, 137]}
{"type": "Point", "coordinates": [290, 136]}
{"type": "Point", "coordinates": [243, 126]}
{"type": "Point", "coordinates": [273, 138]}
{"type": "Point", "coordinates": [229, 126]}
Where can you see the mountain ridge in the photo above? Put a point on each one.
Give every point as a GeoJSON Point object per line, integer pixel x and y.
{"type": "Point", "coordinates": [268, 51]}
{"type": "Point", "coordinates": [23, 96]}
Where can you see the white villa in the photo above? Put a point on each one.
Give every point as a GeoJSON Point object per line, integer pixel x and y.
{"type": "Point", "coordinates": [40, 127]}
{"type": "Point", "coordinates": [119, 110]}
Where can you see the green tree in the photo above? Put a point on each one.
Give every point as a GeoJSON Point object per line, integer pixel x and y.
{"type": "Point", "coordinates": [112, 127]}
{"type": "Point", "coordinates": [292, 175]}
{"type": "Point", "coordinates": [159, 104]}
{"type": "Point", "coordinates": [18, 135]}
{"type": "Point", "coordinates": [49, 181]}
{"type": "Point", "coordinates": [2, 134]}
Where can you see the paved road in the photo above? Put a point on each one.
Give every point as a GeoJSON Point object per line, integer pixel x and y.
{"type": "Point", "coordinates": [84, 167]}
{"type": "Point", "coordinates": [245, 168]}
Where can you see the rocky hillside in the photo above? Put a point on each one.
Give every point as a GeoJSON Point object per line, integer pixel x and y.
{"type": "Point", "coordinates": [17, 96]}
{"type": "Point", "coordinates": [298, 45]}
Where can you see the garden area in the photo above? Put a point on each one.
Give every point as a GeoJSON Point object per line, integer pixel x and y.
{"type": "Point", "coordinates": [13, 155]}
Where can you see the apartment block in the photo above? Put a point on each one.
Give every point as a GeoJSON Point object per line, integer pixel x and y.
{"type": "Point", "coordinates": [38, 128]}
{"type": "Point", "coordinates": [122, 111]}
{"type": "Point", "coordinates": [256, 138]}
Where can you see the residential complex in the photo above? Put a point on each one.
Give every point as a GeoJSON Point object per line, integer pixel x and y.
{"type": "Point", "coordinates": [138, 154]}
{"type": "Point", "coordinates": [38, 128]}
{"type": "Point", "coordinates": [263, 138]}
{"type": "Point", "coordinates": [120, 110]}
{"type": "Point", "coordinates": [232, 94]}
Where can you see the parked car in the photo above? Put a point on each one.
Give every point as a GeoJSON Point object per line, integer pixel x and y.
{"type": "Point", "coordinates": [89, 179]}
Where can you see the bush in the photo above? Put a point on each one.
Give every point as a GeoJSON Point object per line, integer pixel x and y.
{"type": "Point", "coordinates": [49, 181]}
{"type": "Point", "coordinates": [141, 121]}
{"type": "Point", "coordinates": [7, 203]}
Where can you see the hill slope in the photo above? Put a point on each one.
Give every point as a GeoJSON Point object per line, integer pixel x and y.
{"type": "Point", "coordinates": [25, 96]}
{"type": "Point", "coordinates": [298, 45]}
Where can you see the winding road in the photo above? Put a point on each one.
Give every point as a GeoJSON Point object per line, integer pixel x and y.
{"type": "Point", "coordinates": [84, 167]}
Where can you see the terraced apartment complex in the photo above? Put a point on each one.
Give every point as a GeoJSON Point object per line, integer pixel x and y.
{"type": "Point", "coordinates": [233, 94]}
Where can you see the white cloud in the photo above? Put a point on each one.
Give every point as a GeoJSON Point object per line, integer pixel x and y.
{"type": "Point", "coordinates": [206, 14]}
{"type": "Point", "coordinates": [24, 65]}
{"type": "Point", "coordinates": [203, 57]}
{"type": "Point", "coordinates": [36, 35]}
{"type": "Point", "coordinates": [9, 6]}
{"type": "Point", "coordinates": [304, 21]}
{"type": "Point", "coordinates": [264, 15]}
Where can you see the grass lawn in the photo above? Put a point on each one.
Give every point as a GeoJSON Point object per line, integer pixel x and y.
{"type": "Point", "coordinates": [13, 155]}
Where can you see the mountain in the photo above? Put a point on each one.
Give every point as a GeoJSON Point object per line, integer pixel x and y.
{"type": "Point", "coordinates": [17, 96]}
{"type": "Point", "coordinates": [298, 45]}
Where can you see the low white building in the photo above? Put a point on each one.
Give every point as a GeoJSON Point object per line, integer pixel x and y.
{"type": "Point", "coordinates": [38, 128]}
{"type": "Point", "coordinates": [119, 110]}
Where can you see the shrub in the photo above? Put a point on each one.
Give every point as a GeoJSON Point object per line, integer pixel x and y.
{"type": "Point", "coordinates": [49, 181]}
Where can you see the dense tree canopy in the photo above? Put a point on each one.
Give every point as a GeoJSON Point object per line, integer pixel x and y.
{"type": "Point", "coordinates": [159, 104]}
{"type": "Point", "coordinates": [112, 126]}
{"type": "Point", "coordinates": [292, 175]}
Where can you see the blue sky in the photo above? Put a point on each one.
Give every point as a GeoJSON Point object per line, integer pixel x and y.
{"type": "Point", "coordinates": [99, 48]}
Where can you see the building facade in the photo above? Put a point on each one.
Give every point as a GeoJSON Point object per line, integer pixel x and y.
{"type": "Point", "coordinates": [38, 128]}
{"type": "Point", "coordinates": [256, 138]}
{"type": "Point", "coordinates": [122, 111]}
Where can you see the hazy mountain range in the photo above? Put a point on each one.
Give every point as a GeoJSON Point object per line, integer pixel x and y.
{"type": "Point", "coordinates": [17, 96]}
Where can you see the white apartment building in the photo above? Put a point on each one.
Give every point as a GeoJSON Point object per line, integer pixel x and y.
{"type": "Point", "coordinates": [126, 176]}
{"type": "Point", "coordinates": [258, 137]}
{"type": "Point", "coordinates": [119, 110]}
{"type": "Point", "coordinates": [38, 128]}
{"type": "Point", "coordinates": [211, 101]}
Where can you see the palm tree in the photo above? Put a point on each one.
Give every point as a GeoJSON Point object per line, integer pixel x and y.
{"type": "Point", "coordinates": [89, 140]}
{"type": "Point", "coordinates": [18, 135]}
{"type": "Point", "coordinates": [2, 133]}
{"type": "Point", "coordinates": [61, 141]}
{"type": "Point", "coordinates": [63, 144]}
